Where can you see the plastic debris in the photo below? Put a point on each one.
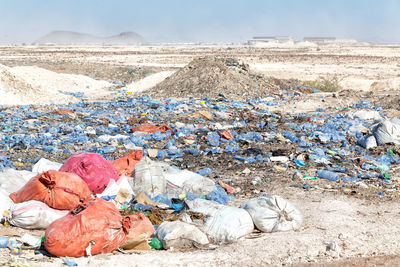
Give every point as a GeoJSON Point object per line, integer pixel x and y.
{"type": "Point", "coordinates": [69, 262]}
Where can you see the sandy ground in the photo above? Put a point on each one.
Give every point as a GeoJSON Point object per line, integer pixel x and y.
{"type": "Point", "coordinates": [340, 230]}
{"type": "Point", "coordinates": [337, 229]}
{"type": "Point", "coordinates": [33, 85]}
{"type": "Point", "coordinates": [357, 67]}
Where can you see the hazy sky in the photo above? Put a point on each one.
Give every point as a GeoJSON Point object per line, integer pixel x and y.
{"type": "Point", "coordinates": [202, 20]}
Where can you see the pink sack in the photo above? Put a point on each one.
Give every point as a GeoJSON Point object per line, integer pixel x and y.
{"type": "Point", "coordinates": [93, 169]}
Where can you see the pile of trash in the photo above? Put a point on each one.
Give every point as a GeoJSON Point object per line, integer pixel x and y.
{"type": "Point", "coordinates": [240, 142]}
{"type": "Point", "coordinates": [89, 205]}
{"type": "Point", "coordinates": [212, 77]}
{"type": "Point", "coordinates": [144, 173]}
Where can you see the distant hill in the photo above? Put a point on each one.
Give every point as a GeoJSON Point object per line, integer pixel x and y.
{"type": "Point", "coordinates": [128, 38]}
{"type": "Point", "coordinates": [76, 38]}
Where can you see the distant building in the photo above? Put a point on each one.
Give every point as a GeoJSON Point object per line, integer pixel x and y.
{"type": "Point", "coordinates": [270, 39]}
{"type": "Point", "coordinates": [320, 40]}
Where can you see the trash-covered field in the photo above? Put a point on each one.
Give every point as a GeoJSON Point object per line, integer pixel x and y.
{"type": "Point", "coordinates": [278, 173]}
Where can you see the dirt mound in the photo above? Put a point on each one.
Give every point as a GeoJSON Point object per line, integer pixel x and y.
{"type": "Point", "coordinates": [212, 76]}
{"type": "Point", "coordinates": [32, 85]}
{"type": "Point", "coordinates": [13, 89]}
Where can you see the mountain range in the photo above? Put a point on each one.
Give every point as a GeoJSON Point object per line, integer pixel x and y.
{"type": "Point", "coordinates": [76, 38]}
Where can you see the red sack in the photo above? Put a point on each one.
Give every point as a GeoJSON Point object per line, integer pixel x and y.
{"type": "Point", "coordinates": [59, 190]}
{"type": "Point", "coordinates": [150, 128]}
{"type": "Point", "coordinates": [126, 165]}
{"type": "Point", "coordinates": [91, 228]}
{"type": "Point", "coordinates": [93, 169]}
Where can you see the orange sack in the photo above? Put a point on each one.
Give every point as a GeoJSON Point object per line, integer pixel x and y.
{"type": "Point", "coordinates": [226, 134]}
{"type": "Point", "coordinates": [150, 128]}
{"type": "Point", "coordinates": [140, 224]}
{"type": "Point", "coordinates": [59, 190]}
{"type": "Point", "coordinates": [126, 165]}
{"type": "Point", "coordinates": [91, 228]}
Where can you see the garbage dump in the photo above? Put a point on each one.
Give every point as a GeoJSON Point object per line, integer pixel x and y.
{"type": "Point", "coordinates": [143, 173]}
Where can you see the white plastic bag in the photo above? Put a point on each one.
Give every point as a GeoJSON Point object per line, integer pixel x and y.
{"type": "Point", "coordinates": [111, 190]}
{"type": "Point", "coordinates": [148, 178]}
{"type": "Point", "coordinates": [178, 234]}
{"type": "Point", "coordinates": [44, 165]}
{"type": "Point", "coordinates": [224, 224]}
{"type": "Point", "coordinates": [123, 183]}
{"type": "Point", "coordinates": [365, 115]}
{"type": "Point", "coordinates": [182, 181]}
{"type": "Point", "coordinates": [114, 187]}
{"type": "Point", "coordinates": [5, 202]}
{"type": "Point", "coordinates": [387, 132]}
{"type": "Point", "coordinates": [156, 178]}
{"type": "Point", "coordinates": [273, 213]}
{"type": "Point", "coordinates": [12, 180]}
{"type": "Point", "coordinates": [367, 141]}
{"type": "Point", "coordinates": [33, 215]}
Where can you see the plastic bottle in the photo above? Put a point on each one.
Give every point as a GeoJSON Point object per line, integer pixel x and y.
{"type": "Point", "coordinates": [289, 135]}
{"type": "Point", "coordinates": [213, 138]}
{"type": "Point", "coordinates": [175, 153]}
{"type": "Point", "coordinates": [299, 163]}
{"type": "Point", "coordinates": [191, 196]}
{"type": "Point", "coordinates": [156, 244]}
{"type": "Point", "coordinates": [69, 262]}
{"type": "Point", "coordinates": [161, 154]}
{"type": "Point", "coordinates": [205, 171]}
{"type": "Point", "coordinates": [338, 169]}
{"type": "Point", "coordinates": [193, 151]}
{"type": "Point", "coordinates": [14, 246]}
{"type": "Point", "coordinates": [108, 149]}
{"type": "Point", "coordinates": [49, 148]}
{"type": "Point", "coordinates": [350, 179]}
{"type": "Point", "coordinates": [250, 160]}
{"type": "Point", "coordinates": [162, 198]}
{"type": "Point", "coordinates": [149, 178]}
{"type": "Point", "coordinates": [3, 241]}
{"type": "Point", "coordinates": [15, 251]}
{"type": "Point", "coordinates": [332, 176]}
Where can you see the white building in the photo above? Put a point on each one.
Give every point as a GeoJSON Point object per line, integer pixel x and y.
{"type": "Point", "coordinates": [270, 39]}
